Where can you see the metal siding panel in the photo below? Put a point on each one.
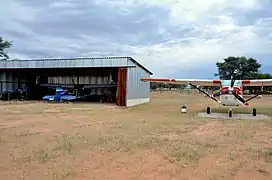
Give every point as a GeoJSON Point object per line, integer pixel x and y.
{"type": "Point", "coordinates": [15, 80]}
{"type": "Point", "coordinates": [22, 79]}
{"type": "Point", "coordinates": [3, 78]}
{"type": "Point", "coordinates": [9, 78]}
{"type": "Point", "coordinates": [68, 63]}
{"type": "Point", "coordinates": [137, 89]}
{"type": "Point", "coordinates": [67, 79]}
{"type": "Point", "coordinates": [40, 64]}
{"type": "Point", "coordinates": [81, 80]}
{"type": "Point", "coordinates": [71, 78]}
{"type": "Point", "coordinates": [93, 80]}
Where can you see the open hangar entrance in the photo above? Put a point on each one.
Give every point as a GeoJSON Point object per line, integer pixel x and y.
{"type": "Point", "coordinates": [106, 85]}
{"type": "Point", "coordinates": [95, 76]}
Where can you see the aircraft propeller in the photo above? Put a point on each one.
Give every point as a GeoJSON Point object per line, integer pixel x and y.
{"type": "Point", "coordinates": [77, 86]}
{"type": "Point", "coordinates": [243, 101]}
{"type": "Point", "coordinates": [233, 78]}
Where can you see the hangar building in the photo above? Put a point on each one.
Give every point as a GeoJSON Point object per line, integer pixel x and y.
{"type": "Point", "coordinates": [119, 73]}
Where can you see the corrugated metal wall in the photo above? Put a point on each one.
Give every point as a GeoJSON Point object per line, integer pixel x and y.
{"type": "Point", "coordinates": [106, 79]}
{"type": "Point", "coordinates": [82, 79]}
{"type": "Point", "coordinates": [137, 89]}
{"type": "Point", "coordinates": [3, 85]}
{"type": "Point", "coordinates": [10, 81]}
{"type": "Point", "coordinates": [65, 63]}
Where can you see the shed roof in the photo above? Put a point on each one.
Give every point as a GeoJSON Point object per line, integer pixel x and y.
{"type": "Point", "coordinates": [113, 61]}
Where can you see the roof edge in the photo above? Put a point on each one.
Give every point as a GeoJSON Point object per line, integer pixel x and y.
{"type": "Point", "coordinates": [138, 64]}
{"type": "Point", "coordinates": [80, 58]}
{"type": "Point", "coordinates": [69, 58]}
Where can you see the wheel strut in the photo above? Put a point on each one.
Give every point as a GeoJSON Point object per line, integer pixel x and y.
{"type": "Point", "coordinates": [230, 112]}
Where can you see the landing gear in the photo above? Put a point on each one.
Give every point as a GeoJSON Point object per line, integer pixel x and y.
{"type": "Point", "coordinates": [254, 112]}
{"type": "Point", "coordinates": [208, 110]}
{"type": "Point", "coordinates": [230, 112]}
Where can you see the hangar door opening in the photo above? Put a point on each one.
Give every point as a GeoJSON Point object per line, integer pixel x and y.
{"type": "Point", "coordinates": [79, 84]}
{"type": "Point", "coordinates": [121, 87]}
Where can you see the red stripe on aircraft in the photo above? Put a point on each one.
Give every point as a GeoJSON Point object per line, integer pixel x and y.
{"type": "Point", "coordinates": [246, 81]}
{"type": "Point", "coordinates": [156, 79]}
{"type": "Point", "coordinates": [216, 81]}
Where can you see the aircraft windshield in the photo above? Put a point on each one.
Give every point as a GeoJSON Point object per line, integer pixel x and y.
{"type": "Point", "coordinates": [228, 82]}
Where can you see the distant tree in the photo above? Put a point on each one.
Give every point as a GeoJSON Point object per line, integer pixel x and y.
{"type": "Point", "coordinates": [259, 76]}
{"type": "Point", "coordinates": [173, 86]}
{"type": "Point", "coordinates": [154, 85]}
{"type": "Point", "coordinates": [4, 45]}
{"type": "Point", "coordinates": [245, 66]}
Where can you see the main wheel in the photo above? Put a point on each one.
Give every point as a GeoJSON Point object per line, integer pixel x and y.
{"type": "Point", "coordinates": [254, 112]}
{"type": "Point", "coordinates": [230, 113]}
{"type": "Point", "coordinates": [208, 110]}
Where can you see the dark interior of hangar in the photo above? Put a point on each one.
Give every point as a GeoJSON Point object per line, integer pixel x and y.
{"type": "Point", "coordinates": [87, 84]}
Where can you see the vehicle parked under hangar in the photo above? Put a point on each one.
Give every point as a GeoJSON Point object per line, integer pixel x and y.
{"type": "Point", "coordinates": [103, 79]}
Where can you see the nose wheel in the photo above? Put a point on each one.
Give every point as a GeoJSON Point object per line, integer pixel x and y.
{"type": "Point", "coordinates": [254, 112]}
{"type": "Point", "coordinates": [208, 110]}
{"type": "Point", "coordinates": [230, 113]}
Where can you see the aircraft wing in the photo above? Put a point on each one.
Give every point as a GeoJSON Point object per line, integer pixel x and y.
{"type": "Point", "coordinates": [201, 82]}
{"type": "Point", "coordinates": [257, 82]}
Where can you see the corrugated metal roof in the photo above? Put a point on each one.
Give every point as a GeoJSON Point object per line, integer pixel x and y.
{"type": "Point", "coordinates": [136, 62]}
{"type": "Point", "coordinates": [10, 63]}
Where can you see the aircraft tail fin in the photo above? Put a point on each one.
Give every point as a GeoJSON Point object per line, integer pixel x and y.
{"type": "Point", "coordinates": [58, 89]}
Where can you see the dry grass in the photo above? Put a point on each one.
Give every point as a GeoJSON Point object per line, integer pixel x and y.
{"type": "Point", "coordinates": [151, 141]}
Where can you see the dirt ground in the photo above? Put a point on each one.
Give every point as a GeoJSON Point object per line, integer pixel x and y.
{"type": "Point", "coordinates": [151, 141]}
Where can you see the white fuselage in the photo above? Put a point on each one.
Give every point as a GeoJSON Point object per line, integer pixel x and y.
{"type": "Point", "coordinates": [229, 100]}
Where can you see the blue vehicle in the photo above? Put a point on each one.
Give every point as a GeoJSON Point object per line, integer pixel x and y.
{"type": "Point", "coordinates": [63, 95]}
{"type": "Point", "coordinates": [74, 94]}
{"type": "Point", "coordinates": [57, 97]}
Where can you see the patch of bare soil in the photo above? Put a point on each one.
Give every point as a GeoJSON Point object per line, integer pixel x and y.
{"type": "Point", "coordinates": [151, 165]}
{"type": "Point", "coordinates": [15, 122]}
{"type": "Point", "coordinates": [219, 166]}
{"type": "Point", "coordinates": [209, 167]}
{"type": "Point", "coordinates": [211, 128]}
{"type": "Point", "coordinates": [75, 139]}
{"type": "Point", "coordinates": [145, 165]}
{"type": "Point", "coordinates": [252, 172]}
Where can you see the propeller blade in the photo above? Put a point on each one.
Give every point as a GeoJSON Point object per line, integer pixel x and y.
{"type": "Point", "coordinates": [233, 78]}
{"type": "Point", "coordinates": [232, 81]}
{"type": "Point", "coordinates": [240, 99]}
{"type": "Point", "coordinates": [73, 82]}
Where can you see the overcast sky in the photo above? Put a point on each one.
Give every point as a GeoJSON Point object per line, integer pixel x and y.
{"type": "Point", "coordinates": [172, 38]}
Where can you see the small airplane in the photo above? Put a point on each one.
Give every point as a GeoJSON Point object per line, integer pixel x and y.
{"type": "Point", "coordinates": [57, 97]}
{"type": "Point", "coordinates": [231, 91]}
{"type": "Point", "coordinates": [76, 89]}
{"type": "Point", "coordinates": [63, 94]}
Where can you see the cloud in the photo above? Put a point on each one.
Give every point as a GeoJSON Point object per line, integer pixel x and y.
{"type": "Point", "coordinates": [171, 37]}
